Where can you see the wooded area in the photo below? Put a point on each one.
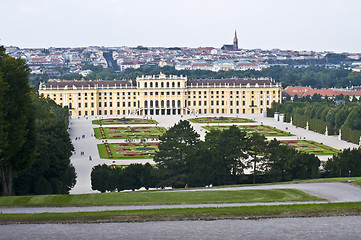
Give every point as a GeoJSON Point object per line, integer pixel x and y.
{"type": "Point", "coordinates": [34, 143]}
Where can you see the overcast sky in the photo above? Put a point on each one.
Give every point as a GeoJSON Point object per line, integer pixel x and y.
{"type": "Point", "coordinates": [319, 25]}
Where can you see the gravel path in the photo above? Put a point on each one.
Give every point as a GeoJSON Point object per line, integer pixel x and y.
{"type": "Point", "coordinates": [330, 228]}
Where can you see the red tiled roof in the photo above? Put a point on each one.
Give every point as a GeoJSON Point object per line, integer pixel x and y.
{"type": "Point", "coordinates": [331, 92]}
{"type": "Point", "coordinates": [299, 91]}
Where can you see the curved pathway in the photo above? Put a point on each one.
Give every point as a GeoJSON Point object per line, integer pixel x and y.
{"type": "Point", "coordinates": [332, 192]}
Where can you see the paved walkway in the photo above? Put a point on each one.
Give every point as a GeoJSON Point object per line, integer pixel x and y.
{"type": "Point", "coordinates": [332, 192]}
{"type": "Point", "coordinates": [83, 126]}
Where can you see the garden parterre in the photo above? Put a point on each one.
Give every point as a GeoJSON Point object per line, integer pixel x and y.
{"type": "Point", "coordinates": [267, 131]}
{"type": "Point", "coordinates": [127, 150]}
{"type": "Point", "coordinates": [220, 120]}
{"type": "Point", "coordinates": [311, 147]}
{"type": "Point", "coordinates": [128, 121]}
{"type": "Point", "coordinates": [129, 132]}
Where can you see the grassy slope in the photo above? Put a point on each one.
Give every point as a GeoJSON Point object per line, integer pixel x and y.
{"type": "Point", "coordinates": [246, 212]}
{"type": "Point", "coordinates": [164, 197]}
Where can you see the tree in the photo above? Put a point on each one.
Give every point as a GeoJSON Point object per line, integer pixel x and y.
{"type": "Point", "coordinates": [100, 178]}
{"type": "Point", "coordinates": [279, 162]}
{"type": "Point", "coordinates": [206, 166]}
{"type": "Point", "coordinates": [175, 147]}
{"type": "Point", "coordinates": [132, 176]}
{"type": "Point", "coordinates": [353, 119]}
{"type": "Point", "coordinates": [148, 176]}
{"type": "Point", "coordinates": [229, 148]}
{"type": "Point", "coordinates": [346, 163]}
{"type": "Point", "coordinates": [257, 153]}
{"type": "Point", "coordinates": [17, 149]}
{"type": "Point", "coordinates": [53, 148]}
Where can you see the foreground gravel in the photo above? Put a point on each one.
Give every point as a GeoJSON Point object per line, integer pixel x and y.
{"type": "Point", "coordinates": [329, 228]}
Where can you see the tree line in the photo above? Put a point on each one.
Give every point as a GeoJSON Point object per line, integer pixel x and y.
{"type": "Point", "coordinates": [323, 113]}
{"type": "Point", "coordinates": [222, 158]}
{"type": "Point", "coordinates": [34, 143]}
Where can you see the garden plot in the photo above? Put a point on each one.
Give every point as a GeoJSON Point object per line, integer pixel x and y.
{"type": "Point", "coordinates": [128, 132]}
{"type": "Point", "coordinates": [220, 120]}
{"type": "Point", "coordinates": [310, 147]}
{"type": "Point", "coordinates": [128, 121]}
{"type": "Point", "coordinates": [265, 130]}
{"type": "Point", "coordinates": [127, 150]}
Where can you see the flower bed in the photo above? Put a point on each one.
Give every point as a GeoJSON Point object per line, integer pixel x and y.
{"type": "Point", "coordinates": [261, 129]}
{"type": "Point", "coordinates": [129, 132]}
{"type": "Point", "coordinates": [108, 150]}
{"type": "Point", "coordinates": [220, 120]}
{"type": "Point", "coordinates": [311, 147]}
{"type": "Point", "coordinates": [127, 150]}
{"type": "Point", "coordinates": [109, 121]}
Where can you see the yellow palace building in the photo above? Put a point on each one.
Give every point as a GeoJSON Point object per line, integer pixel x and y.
{"type": "Point", "coordinates": [163, 95]}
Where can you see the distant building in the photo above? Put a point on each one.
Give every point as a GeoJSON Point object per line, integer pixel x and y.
{"type": "Point", "coordinates": [233, 47]}
{"type": "Point", "coordinates": [164, 95]}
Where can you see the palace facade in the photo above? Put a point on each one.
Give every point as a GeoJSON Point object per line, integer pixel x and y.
{"type": "Point", "coordinates": [163, 95]}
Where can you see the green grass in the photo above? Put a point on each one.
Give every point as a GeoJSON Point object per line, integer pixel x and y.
{"type": "Point", "coordinates": [355, 180]}
{"type": "Point", "coordinates": [265, 130]}
{"type": "Point", "coordinates": [246, 212]}
{"type": "Point", "coordinates": [162, 197]}
{"type": "Point", "coordinates": [129, 132]}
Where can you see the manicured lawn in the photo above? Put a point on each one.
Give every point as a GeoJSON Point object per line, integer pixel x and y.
{"type": "Point", "coordinates": [127, 150]}
{"type": "Point", "coordinates": [214, 213]}
{"type": "Point", "coordinates": [265, 130]}
{"type": "Point", "coordinates": [160, 197]}
{"type": "Point", "coordinates": [129, 132]}
{"type": "Point", "coordinates": [310, 147]}
{"type": "Point", "coordinates": [110, 121]}
{"type": "Point", "coordinates": [220, 120]}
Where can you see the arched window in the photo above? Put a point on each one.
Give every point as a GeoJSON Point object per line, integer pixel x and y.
{"type": "Point", "coordinates": [156, 103]}
{"type": "Point", "coordinates": [162, 84]}
{"type": "Point", "coordinates": [151, 84]}
{"type": "Point", "coordinates": [179, 84]}
{"type": "Point", "coordinates": [167, 84]}
{"type": "Point", "coordinates": [151, 103]}
{"type": "Point", "coordinates": [70, 106]}
{"type": "Point", "coordinates": [252, 103]}
{"type": "Point", "coordinates": [168, 103]}
{"type": "Point", "coordinates": [173, 103]}
{"type": "Point", "coordinates": [146, 103]}
{"type": "Point", "coordinates": [173, 84]}
{"type": "Point", "coordinates": [156, 84]}
{"type": "Point", "coordinates": [145, 85]}
{"type": "Point", "coordinates": [179, 103]}
{"type": "Point", "coordinates": [162, 103]}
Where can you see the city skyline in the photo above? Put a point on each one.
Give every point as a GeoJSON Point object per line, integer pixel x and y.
{"type": "Point", "coordinates": [324, 25]}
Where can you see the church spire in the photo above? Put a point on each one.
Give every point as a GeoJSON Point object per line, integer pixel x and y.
{"type": "Point", "coordinates": [235, 41]}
